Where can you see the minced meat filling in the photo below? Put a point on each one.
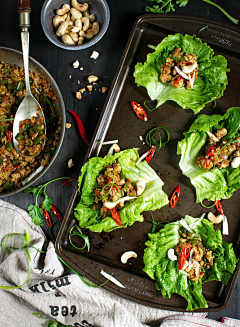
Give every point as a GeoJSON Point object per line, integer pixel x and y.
{"type": "Point", "coordinates": [170, 74]}
{"type": "Point", "coordinates": [120, 187]}
{"type": "Point", "coordinates": [222, 152]}
{"type": "Point", "coordinates": [14, 167]}
{"type": "Point", "coordinates": [199, 257]}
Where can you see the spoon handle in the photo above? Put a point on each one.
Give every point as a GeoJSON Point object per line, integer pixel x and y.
{"type": "Point", "coordinates": [25, 50]}
{"type": "Point", "coordinates": [24, 6]}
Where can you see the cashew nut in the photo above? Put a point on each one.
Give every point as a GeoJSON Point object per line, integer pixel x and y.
{"type": "Point", "coordinates": [80, 7]}
{"type": "Point", "coordinates": [92, 78]}
{"type": "Point", "coordinates": [236, 162]}
{"type": "Point", "coordinates": [116, 147]}
{"type": "Point", "coordinates": [91, 17]}
{"type": "Point", "coordinates": [140, 187]}
{"type": "Point", "coordinates": [57, 20]}
{"type": "Point", "coordinates": [68, 19]}
{"type": "Point", "coordinates": [171, 255]}
{"type": "Point", "coordinates": [75, 14]}
{"type": "Point", "coordinates": [62, 29]}
{"type": "Point", "coordinates": [214, 219]}
{"type": "Point", "coordinates": [212, 137]}
{"type": "Point", "coordinates": [78, 23]}
{"type": "Point", "coordinates": [127, 255]}
{"type": "Point", "coordinates": [65, 8]}
{"type": "Point", "coordinates": [86, 23]}
{"type": "Point", "coordinates": [74, 36]}
{"type": "Point", "coordinates": [70, 163]}
{"type": "Point", "coordinates": [190, 68]}
{"type": "Point", "coordinates": [80, 40]}
{"type": "Point", "coordinates": [91, 32]}
{"type": "Point", "coordinates": [66, 38]}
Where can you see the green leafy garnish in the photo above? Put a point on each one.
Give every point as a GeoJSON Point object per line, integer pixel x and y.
{"type": "Point", "coordinates": [35, 212]}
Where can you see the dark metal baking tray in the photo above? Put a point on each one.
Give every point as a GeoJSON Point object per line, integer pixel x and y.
{"type": "Point", "coordinates": [118, 121]}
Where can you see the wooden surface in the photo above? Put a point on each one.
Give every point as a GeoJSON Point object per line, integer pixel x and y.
{"type": "Point", "coordinates": [59, 63]}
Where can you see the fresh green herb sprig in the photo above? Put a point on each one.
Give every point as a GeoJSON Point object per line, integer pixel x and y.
{"type": "Point", "coordinates": [166, 6]}
{"type": "Point", "coordinates": [162, 224]}
{"type": "Point", "coordinates": [35, 212]}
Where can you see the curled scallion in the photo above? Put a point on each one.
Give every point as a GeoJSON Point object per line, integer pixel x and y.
{"type": "Point", "coordinates": [79, 233]}
{"type": "Point", "coordinates": [151, 137]}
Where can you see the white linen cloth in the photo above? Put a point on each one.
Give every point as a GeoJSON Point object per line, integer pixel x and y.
{"type": "Point", "coordinates": [66, 298]}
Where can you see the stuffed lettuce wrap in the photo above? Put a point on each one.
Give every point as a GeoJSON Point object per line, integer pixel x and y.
{"type": "Point", "coordinates": [210, 155]}
{"type": "Point", "coordinates": [185, 70]}
{"type": "Point", "coordinates": [115, 190]}
{"type": "Point", "coordinates": [184, 255]}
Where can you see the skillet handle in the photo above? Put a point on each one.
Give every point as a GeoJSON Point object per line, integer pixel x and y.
{"type": "Point", "coordinates": [24, 6]}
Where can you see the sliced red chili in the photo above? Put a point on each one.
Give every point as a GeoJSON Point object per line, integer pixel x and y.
{"type": "Point", "coordinates": [116, 216]}
{"type": "Point", "coordinates": [186, 251]}
{"type": "Point", "coordinates": [181, 262]}
{"type": "Point", "coordinates": [14, 168]}
{"type": "Point", "coordinates": [46, 216]}
{"type": "Point", "coordinates": [178, 79]}
{"type": "Point", "coordinates": [219, 207]}
{"type": "Point", "coordinates": [209, 155]}
{"type": "Point", "coordinates": [81, 128]}
{"type": "Point", "coordinates": [56, 212]}
{"type": "Point", "coordinates": [139, 111]}
{"type": "Point", "coordinates": [9, 135]}
{"type": "Point", "coordinates": [175, 196]}
{"type": "Point", "coordinates": [65, 183]}
{"type": "Point", "coordinates": [150, 154]}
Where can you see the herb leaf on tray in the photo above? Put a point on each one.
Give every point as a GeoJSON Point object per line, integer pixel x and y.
{"type": "Point", "coordinates": [169, 278]}
{"type": "Point", "coordinates": [208, 86]}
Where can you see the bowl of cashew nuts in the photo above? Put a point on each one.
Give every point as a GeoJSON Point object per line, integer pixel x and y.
{"type": "Point", "coordinates": [73, 25]}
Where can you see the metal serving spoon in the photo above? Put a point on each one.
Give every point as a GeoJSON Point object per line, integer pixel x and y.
{"type": "Point", "coordinates": [29, 105]}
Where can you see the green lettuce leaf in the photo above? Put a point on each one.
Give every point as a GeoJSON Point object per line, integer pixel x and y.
{"type": "Point", "coordinates": [214, 184]}
{"type": "Point", "coordinates": [211, 82]}
{"type": "Point", "coordinates": [152, 198]}
{"type": "Point", "coordinates": [165, 272]}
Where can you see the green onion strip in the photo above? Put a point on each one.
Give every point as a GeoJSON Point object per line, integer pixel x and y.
{"type": "Point", "coordinates": [151, 137]}
{"type": "Point", "coordinates": [26, 240]}
{"type": "Point", "coordinates": [207, 206]}
{"type": "Point", "coordinates": [79, 233]}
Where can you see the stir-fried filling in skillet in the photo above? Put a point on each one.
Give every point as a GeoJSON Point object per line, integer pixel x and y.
{"type": "Point", "coordinates": [112, 187]}
{"type": "Point", "coordinates": [193, 258]}
{"type": "Point", "coordinates": [218, 151]}
{"type": "Point", "coordinates": [14, 167]}
{"type": "Point", "coordinates": [31, 136]}
{"type": "Point", "coordinates": [180, 69]}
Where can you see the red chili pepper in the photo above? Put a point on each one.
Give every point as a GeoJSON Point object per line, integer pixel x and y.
{"type": "Point", "coordinates": [181, 262]}
{"type": "Point", "coordinates": [178, 79]}
{"type": "Point", "coordinates": [80, 126]}
{"type": "Point", "coordinates": [219, 207]}
{"type": "Point", "coordinates": [14, 168]}
{"type": "Point", "coordinates": [209, 155]}
{"type": "Point", "coordinates": [9, 135]}
{"type": "Point", "coordinates": [175, 196]}
{"type": "Point", "coordinates": [56, 212]}
{"type": "Point", "coordinates": [65, 183]}
{"type": "Point", "coordinates": [110, 181]}
{"type": "Point", "coordinates": [185, 252]}
{"type": "Point", "coordinates": [46, 216]}
{"type": "Point", "coordinates": [139, 111]}
{"type": "Point", "coordinates": [116, 216]}
{"type": "Point", "coordinates": [150, 154]}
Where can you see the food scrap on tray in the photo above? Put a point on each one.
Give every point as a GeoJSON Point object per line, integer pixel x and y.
{"type": "Point", "coordinates": [185, 70]}
{"type": "Point", "coordinates": [115, 190]}
{"type": "Point", "coordinates": [210, 154]}
{"type": "Point", "coordinates": [186, 254]}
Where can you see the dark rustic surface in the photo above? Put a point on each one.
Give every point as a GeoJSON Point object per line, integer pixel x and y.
{"type": "Point", "coordinates": [59, 64]}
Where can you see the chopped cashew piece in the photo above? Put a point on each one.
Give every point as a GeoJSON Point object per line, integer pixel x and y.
{"type": "Point", "coordinates": [76, 64]}
{"type": "Point", "coordinates": [212, 137]}
{"type": "Point", "coordinates": [89, 87]}
{"type": "Point", "coordinates": [116, 147]}
{"type": "Point", "coordinates": [78, 95]}
{"type": "Point", "coordinates": [171, 255]}
{"type": "Point", "coordinates": [104, 89]}
{"type": "Point", "coordinates": [140, 186]}
{"type": "Point", "coordinates": [70, 163]}
{"type": "Point", "coordinates": [214, 219]}
{"type": "Point", "coordinates": [92, 78]}
{"type": "Point", "coordinates": [94, 55]}
{"type": "Point", "coordinates": [236, 162]}
{"type": "Point", "coordinates": [68, 125]}
{"type": "Point", "coordinates": [65, 9]}
{"type": "Point", "coordinates": [127, 255]}
{"type": "Point", "coordinates": [82, 90]}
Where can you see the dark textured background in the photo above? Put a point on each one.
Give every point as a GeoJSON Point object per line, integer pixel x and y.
{"type": "Point", "coordinates": [59, 63]}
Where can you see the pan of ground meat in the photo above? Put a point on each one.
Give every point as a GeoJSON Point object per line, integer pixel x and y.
{"type": "Point", "coordinates": [18, 171]}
